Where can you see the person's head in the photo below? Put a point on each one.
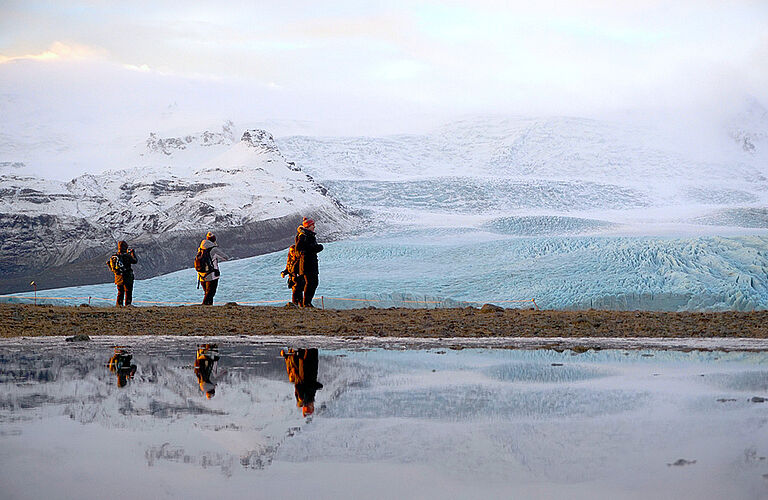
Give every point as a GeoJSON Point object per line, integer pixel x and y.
{"type": "Point", "coordinates": [308, 223]}
{"type": "Point", "coordinates": [122, 246]}
{"type": "Point", "coordinates": [308, 409]}
{"type": "Point", "coordinates": [210, 236]}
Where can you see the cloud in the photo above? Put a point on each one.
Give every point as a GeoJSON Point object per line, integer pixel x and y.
{"type": "Point", "coordinates": [59, 51]}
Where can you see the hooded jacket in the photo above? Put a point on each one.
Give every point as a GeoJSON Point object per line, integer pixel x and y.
{"type": "Point", "coordinates": [216, 256]}
{"type": "Point", "coordinates": [308, 248]}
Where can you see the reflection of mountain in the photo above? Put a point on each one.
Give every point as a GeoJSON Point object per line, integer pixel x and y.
{"type": "Point", "coordinates": [254, 403]}
{"type": "Point", "coordinates": [246, 191]}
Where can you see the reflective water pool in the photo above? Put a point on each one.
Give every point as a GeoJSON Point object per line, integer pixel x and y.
{"type": "Point", "coordinates": [174, 417]}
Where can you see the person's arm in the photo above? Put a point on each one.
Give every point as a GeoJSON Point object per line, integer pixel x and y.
{"type": "Point", "coordinates": [132, 256]}
{"type": "Point", "coordinates": [217, 254]}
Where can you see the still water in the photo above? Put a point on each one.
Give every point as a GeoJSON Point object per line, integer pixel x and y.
{"type": "Point", "coordinates": [177, 418]}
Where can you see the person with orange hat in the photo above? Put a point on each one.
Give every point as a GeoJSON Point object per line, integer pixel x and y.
{"type": "Point", "coordinates": [308, 248]}
{"type": "Point", "coordinates": [301, 366]}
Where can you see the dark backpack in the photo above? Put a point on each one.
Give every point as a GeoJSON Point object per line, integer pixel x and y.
{"type": "Point", "coordinates": [116, 265]}
{"type": "Point", "coordinates": [203, 261]}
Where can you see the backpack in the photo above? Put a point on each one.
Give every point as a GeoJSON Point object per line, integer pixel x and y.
{"type": "Point", "coordinates": [116, 265]}
{"type": "Point", "coordinates": [293, 260]}
{"type": "Point", "coordinates": [203, 261]}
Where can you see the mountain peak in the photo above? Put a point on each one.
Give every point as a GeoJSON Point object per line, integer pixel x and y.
{"type": "Point", "coordinates": [260, 139]}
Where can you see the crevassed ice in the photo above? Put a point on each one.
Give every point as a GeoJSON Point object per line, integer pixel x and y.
{"type": "Point", "coordinates": [651, 273]}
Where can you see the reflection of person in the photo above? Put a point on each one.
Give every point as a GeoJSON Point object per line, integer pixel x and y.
{"type": "Point", "coordinates": [120, 263]}
{"type": "Point", "coordinates": [295, 280]}
{"type": "Point", "coordinates": [308, 248]}
{"type": "Point", "coordinates": [120, 365]}
{"type": "Point", "coordinates": [207, 356]}
{"type": "Point", "coordinates": [302, 366]}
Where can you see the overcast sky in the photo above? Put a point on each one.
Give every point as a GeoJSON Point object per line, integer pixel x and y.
{"type": "Point", "coordinates": [359, 61]}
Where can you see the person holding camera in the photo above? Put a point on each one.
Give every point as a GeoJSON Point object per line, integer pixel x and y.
{"type": "Point", "coordinates": [207, 265]}
{"type": "Point", "coordinates": [295, 280]}
{"type": "Point", "coordinates": [120, 263]}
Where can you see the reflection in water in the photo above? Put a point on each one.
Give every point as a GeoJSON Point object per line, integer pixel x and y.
{"type": "Point", "coordinates": [205, 362]}
{"type": "Point", "coordinates": [120, 365]}
{"type": "Point", "coordinates": [302, 367]}
{"type": "Point", "coordinates": [404, 424]}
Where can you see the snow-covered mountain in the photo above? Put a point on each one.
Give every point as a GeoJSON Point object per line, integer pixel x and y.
{"type": "Point", "coordinates": [629, 172]}
{"type": "Point", "coordinates": [180, 187]}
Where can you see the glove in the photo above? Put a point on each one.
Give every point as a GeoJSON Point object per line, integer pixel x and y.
{"type": "Point", "coordinates": [282, 274]}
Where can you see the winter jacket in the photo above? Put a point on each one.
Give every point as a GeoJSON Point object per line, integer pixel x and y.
{"type": "Point", "coordinates": [216, 256]}
{"type": "Point", "coordinates": [302, 366]}
{"type": "Point", "coordinates": [127, 259]}
{"type": "Point", "coordinates": [308, 248]}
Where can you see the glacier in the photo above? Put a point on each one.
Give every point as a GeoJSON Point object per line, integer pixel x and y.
{"type": "Point", "coordinates": [460, 268]}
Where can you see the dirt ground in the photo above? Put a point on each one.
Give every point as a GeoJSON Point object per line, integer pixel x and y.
{"type": "Point", "coordinates": [32, 321]}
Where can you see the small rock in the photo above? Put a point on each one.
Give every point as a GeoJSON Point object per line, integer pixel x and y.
{"type": "Point", "coordinates": [230, 304]}
{"type": "Point", "coordinates": [358, 319]}
{"type": "Point", "coordinates": [680, 462]}
{"type": "Point", "coordinates": [557, 364]}
{"type": "Point", "coordinates": [291, 305]}
{"type": "Point", "coordinates": [456, 347]}
{"type": "Point", "coordinates": [78, 338]}
{"type": "Point", "coordinates": [758, 399]}
{"type": "Point", "coordinates": [725, 400]}
{"type": "Point", "coordinates": [84, 305]}
{"type": "Point", "coordinates": [489, 308]}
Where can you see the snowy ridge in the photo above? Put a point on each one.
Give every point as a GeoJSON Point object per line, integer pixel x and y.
{"type": "Point", "coordinates": [179, 186]}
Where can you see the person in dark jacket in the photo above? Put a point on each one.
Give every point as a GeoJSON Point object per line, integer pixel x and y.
{"type": "Point", "coordinates": [308, 248]}
{"type": "Point", "coordinates": [302, 367]}
{"type": "Point", "coordinates": [120, 263]}
{"type": "Point", "coordinates": [295, 280]}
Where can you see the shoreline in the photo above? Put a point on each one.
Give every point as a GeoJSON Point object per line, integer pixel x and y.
{"type": "Point", "coordinates": [24, 320]}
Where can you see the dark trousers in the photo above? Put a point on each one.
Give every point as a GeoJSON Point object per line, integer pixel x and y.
{"type": "Point", "coordinates": [210, 290]}
{"type": "Point", "coordinates": [297, 291]}
{"type": "Point", "coordinates": [310, 285]}
{"type": "Point", "coordinates": [125, 289]}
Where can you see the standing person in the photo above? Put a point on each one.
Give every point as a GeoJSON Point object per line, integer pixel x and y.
{"type": "Point", "coordinates": [308, 248]}
{"type": "Point", "coordinates": [207, 265]}
{"type": "Point", "coordinates": [120, 263]}
{"type": "Point", "coordinates": [301, 366]}
{"type": "Point", "coordinates": [295, 280]}
{"type": "Point", "coordinates": [206, 359]}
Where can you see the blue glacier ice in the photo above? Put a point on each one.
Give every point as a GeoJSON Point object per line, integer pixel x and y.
{"type": "Point", "coordinates": [433, 268]}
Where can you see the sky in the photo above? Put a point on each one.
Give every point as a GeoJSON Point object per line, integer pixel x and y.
{"type": "Point", "coordinates": [368, 66]}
